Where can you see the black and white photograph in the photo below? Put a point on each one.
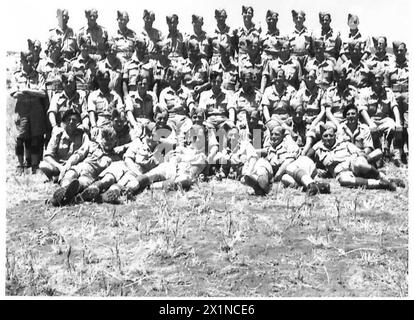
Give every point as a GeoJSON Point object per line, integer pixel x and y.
{"type": "Point", "coordinates": [215, 149]}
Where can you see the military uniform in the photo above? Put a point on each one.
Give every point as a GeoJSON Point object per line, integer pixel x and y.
{"type": "Point", "coordinates": [178, 104]}
{"type": "Point", "coordinates": [143, 109]}
{"type": "Point", "coordinates": [337, 101]}
{"type": "Point", "coordinates": [30, 110]}
{"type": "Point", "coordinates": [332, 42]}
{"type": "Point", "coordinates": [85, 71]}
{"type": "Point", "coordinates": [300, 41]}
{"type": "Point", "coordinates": [176, 47]}
{"type": "Point", "coordinates": [154, 36]}
{"type": "Point", "coordinates": [379, 108]}
{"type": "Point", "coordinates": [197, 71]}
{"type": "Point", "coordinates": [125, 44]}
{"type": "Point", "coordinates": [132, 69]}
{"type": "Point", "coordinates": [51, 72]}
{"type": "Point", "coordinates": [357, 37]}
{"type": "Point", "coordinates": [292, 68]}
{"type": "Point", "coordinates": [98, 37]}
{"type": "Point", "coordinates": [216, 108]}
{"type": "Point", "coordinates": [203, 42]}
{"type": "Point", "coordinates": [361, 137]}
{"type": "Point", "coordinates": [248, 42]}
{"type": "Point", "coordinates": [324, 71]}
{"type": "Point", "coordinates": [68, 40]}
{"type": "Point", "coordinates": [116, 74]}
{"type": "Point", "coordinates": [268, 43]}
{"type": "Point", "coordinates": [244, 103]}
{"type": "Point", "coordinates": [356, 73]}
{"type": "Point", "coordinates": [279, 105]}
{"type": "Point", "coordinates": [103, 105]}
{"type": "Point", "coordinates": [223, 37]}
{"type": "Point", "coordinates": [61, 103]}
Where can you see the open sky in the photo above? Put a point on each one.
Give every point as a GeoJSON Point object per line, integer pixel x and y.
{"type": "Point", "coordinates": [24, 19]}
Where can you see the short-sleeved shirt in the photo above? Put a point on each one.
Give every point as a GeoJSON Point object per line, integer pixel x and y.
{"type": "Point", "coordinates": [287, 149]}
{"type": "Point", "coordinates": [291, 66]}
{"type": "Point", "coordinates": [176, 102]}
{"type": "Point", "coordinates": [300, 41]}
{"type": "Point", "coordinates": [61, 103]}
{"type": "Point", "coordinates": [341, 152]}
{"type": "Point", "coordinates": [115, 72]}
{"type": "Point", "coordinates": [92, 154]}
{"type": "Point", "coordinates": [268, 43]}
{"type": "Point", "coordinates": [357, 37]}
{"type": "Point", "coordinates": [98, 36]}
{"type": "Point", "coordinates": [85, 71]}
{"type": "Point", "coordinates": [310, 101]}
{"type": "Point", "coordinates": [215, 106]}
{"type": "Point", "coordinates": [221, 37]}
{"type": "Point", "coordinates": [378, 107]}
{"type": "Point", "coordinates": [324, 71]}
{"type": "Point", "coordinates": [68, 40]}
{"type": "Point", "coordinates": [246, 103]}
{"type": "Point", "coordinates": [51, 72]}
{"type": "Point", "coordinates": [125, 43]}
{"type": "Point", "coordinates": [398, 76]}
{"type": "Point", "coordinates": [203, 43]}
{"type": "Point", "coordinates": [154, 36]}
{"type": "Point", "coordinates": [355, 73]}
{"type": "Point", "coordinates": [230, 75]}
{"type": "Point", "coordinates": [132, 69]}
{"type": "Point", "coordinates": [197, 71]}
{"type": "Point", "coordinates": [142, 107]}
{"type": "Point", "coordinates": [244, 36]}
{"type": "Point", "coordinates": [377, 62]}
{"type": "Point", "coordinates": [28, 104]}
{"type": "Point", "coordinates": [61, 146]}
{"type": "Point", "coordinates": [279, 104]}
{"type": "Point", "coordinates": [333, 42]}
{"type": "Point", "coordinates": [361, 137]}
{"type": "Point", "coordinates": [337, 100]}
{"type": "Point", "coordinates": [104, 104]}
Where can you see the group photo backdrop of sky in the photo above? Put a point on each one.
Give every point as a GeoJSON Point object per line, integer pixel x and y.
{"type": "Point", "coordinates": [25, 19]}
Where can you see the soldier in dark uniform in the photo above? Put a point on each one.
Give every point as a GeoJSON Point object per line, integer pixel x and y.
{"type": "Point", "coordinates": [30, 113]}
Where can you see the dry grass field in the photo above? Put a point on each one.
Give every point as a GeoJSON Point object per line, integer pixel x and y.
{"type": "Point", "coordinates": [217, 240]}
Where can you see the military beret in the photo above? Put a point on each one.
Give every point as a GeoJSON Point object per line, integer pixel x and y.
{"type": "Point", "coordinates": [150, 14]}
{"type": "Point", "coordinates": [195, 18]}
{"type": "Point", "coordinates": [220, 12]}
{"type": "Point", "coordinates": [271, 13]}
{"type": "Point", "coordinates": [172, 18]}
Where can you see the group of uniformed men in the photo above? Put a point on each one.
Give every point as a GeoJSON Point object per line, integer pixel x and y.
{"type": "Point", "coordinates": [118, 113]}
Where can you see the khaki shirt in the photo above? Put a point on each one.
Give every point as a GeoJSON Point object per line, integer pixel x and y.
{"type": "Point", "coordinates": [61, 146]}
{"type": "Point", "coordinates": [300, 41]}
{"type": "Point", "coordinates": [332, 42]}
{"type": "Point", "coordinates": [153, 36]}
{"type": "Point", "coordinates": [132, 69]}
{"type": "Point", "coordinates": [215, 105]}
{"type": "Point", "coordinates": [124, 43]}
{"type": "Point", "coordinates": [286, 150]}
{"type": "Point", "coordinates": [293, 71]}
{"type": "Point", "coordinates": [378, 107]}
{"type": "Point", "coordinates": [279, 105]}
{"type": "Point", "coordinates": [61, 103]}
{"type": "Point", "coordinates": [203, 43]}
{"type": "Point", "coordinates": [324, 71]}
{"type": "Point", "coordinates": [361, 137]}
{"type": "Point", "coordinates": [85, 71]}
{"type": "Point", "coordinates": [337, 100]}
{"type": "Point", "coordinates": [103, 105]}
{"type": "Point", "coordinates": [176, 102]}
{"type": "Point", "coordinates": [68, 39]}
{"type": "Point", "coordinates": [98, 36]}
{"type": "Point", "coordinates": [310, 101]}
{"type": "Point", "coordinates": [115, 72]}
{"type": "Point", "coordinates": [398, 76]}
{"type": "Point", "coordinates": [244, 103]}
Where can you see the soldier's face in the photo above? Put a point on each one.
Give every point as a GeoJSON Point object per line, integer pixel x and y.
{"type": "Point", "coordinates": [175, 80]}
{"type": "Point", "coordinates": [325, 22]}
{"type": "Point", "coordinates": [356, 51]}
{"type": "Point", "coordinates": [108, 145]}
{"type": "Point", "coordinates": [378, 81]}
{"type": "Point", "coordinates": [310, 79]}
{"type": "Point", "coordinates": [247, 82]}
{"type": "Point", "coordinates": [271, 21]}
{"type": "Point", "coordinates": [161, 120]}
{"type": "Point", "coordinates": [276, 136]}
{"type": "Point", "coordinates": [69, 85]}
{"type": "Point", "coordinates": [118, 124]}
{"type": "Point", "coordinates": [172, 25]}
{"type": "Point", "coordinates": [299, 20]}
{"type": "Point", "coordinates": [197, 25]}
{"type": "Point", "coordinates": [143, 84]}
{"type": "Point", "coordinates": [103, 83]}
{"type": "Point", "coordinates": [233, 136]}
{"type": "Point", "coordinates": [221, 18]}
{"type": "Point", "coordinates": [248, 15]}
{"type": "Point", "coordinates": [71, 123]}
{"type": "Point", "coordinates": [382, 45]}
{"type": "Point", "coordinates": [122, 22]}
{"type": "Point", "coordinates": [197, 118]}
{"type": "Point", "coordinates": [401, 51]}
{"type": "Point", "coordinates": [279, 79]}
{"type": "Point", "coordinates": [329, 138]}
{"type": "Point", "coordinates": [352, 116]}
{"type": "Point", "coordinates": [65, 18]}
{"type": "Point", "coordinates": [92, 17]}
{"type": "Point", "coordinates": [216, 82]}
